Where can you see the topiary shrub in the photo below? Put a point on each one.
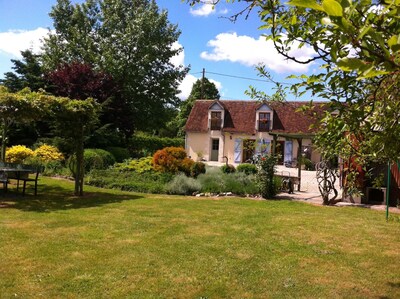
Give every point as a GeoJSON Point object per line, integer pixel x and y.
{"type": "Point", "coordinates": [183, 185]}
{"type": "Point", "coordinates": [247, 168]}
{"type": "Point", "coordinates": [18, 153]}
{"type": "Point", "coordinates": [120, 154]}
{"type": "Point", "coordinates": [228, 168]}
{"type": "Point", "coordinates": [197, 169]}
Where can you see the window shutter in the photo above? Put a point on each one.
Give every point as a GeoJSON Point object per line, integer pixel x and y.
{"type": "Point", "coordinates": [259, 147]}
{"type": "Point", "coordinates": [288, 150]}
{"type": "Point", "coordinates": [238, 151]}
{"type": "Point", "coordinates": [266, 147]}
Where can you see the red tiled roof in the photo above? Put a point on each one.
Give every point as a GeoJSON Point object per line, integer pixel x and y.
{"type": "Point", "coordinates": [240, 116]}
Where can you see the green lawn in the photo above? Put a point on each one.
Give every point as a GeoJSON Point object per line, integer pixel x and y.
{"type": "Point", "coordinates": [113, 244]}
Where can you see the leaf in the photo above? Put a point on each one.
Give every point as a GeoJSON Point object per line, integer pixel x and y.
{"type": "Point", "coordinates": [394, 43]}
{"type": "Point", "coordinates": [332, 8]}
{"type": "Point", "coordinates": [306, 4]}
{"type": "Point", "coordinates": [350, 64]}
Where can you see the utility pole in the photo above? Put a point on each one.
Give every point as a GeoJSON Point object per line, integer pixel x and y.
{"type": "Point", "coordinates": [202, 84]}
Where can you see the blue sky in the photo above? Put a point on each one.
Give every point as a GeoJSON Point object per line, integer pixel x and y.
{"type": "Point", "coordinates": [210, 41]}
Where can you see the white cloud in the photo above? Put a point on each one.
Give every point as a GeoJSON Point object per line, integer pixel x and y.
{"type": "Point", "coordinates": [203, 11]}
{"type": "Point", "coordinates": [250, 51]}
{"type": "Point", "coordinates": [187, 84]}
{"type": "Point", "coordinates": [14, 41]}
{"type": "Point", "coordinates": [178, 59]}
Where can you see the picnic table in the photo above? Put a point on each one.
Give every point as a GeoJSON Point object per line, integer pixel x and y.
{"type": "Point", "coordinates": [19, 173]}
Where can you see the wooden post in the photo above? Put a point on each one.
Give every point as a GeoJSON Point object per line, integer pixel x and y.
{"type": "Point", "coordinates": [299, 160]}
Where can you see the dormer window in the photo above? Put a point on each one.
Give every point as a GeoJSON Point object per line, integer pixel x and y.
{"type": "Point", "coordinates": [216, 120]}
{"type": "Point", "coordinates": [264, 121]}
{"type": "Point", "coordinates": [264, 118]}
{"type": "Point", "coordinates": [216, 116]}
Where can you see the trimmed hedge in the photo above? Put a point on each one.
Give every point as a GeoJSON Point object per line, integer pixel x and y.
{"type": "Point", "coordinates": [142, 145]}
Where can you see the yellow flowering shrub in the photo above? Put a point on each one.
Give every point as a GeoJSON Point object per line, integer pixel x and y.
{"type": "Point", "coordinates": [47, 153]}
{"type": "Point", "coordinates": [18, 153]}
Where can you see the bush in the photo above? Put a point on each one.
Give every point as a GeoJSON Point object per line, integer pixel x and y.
{"type": "Point", "coordinates": [197, 169]}
{"type": "Point", "coordinates": [308, 165]}
{"type": "Point", "coordinates": [48, 153]}
{"type": "Point", "coordinates": [247, 168]}
{"type": "Point", "coordinates": [144, 145]}
{"type": "Point", "coordinates": [237, 183]}
{"type": "Point", "coordinates": [18, 153]}
{"type": "Point", "coordinates": [97, 159]}
{"type": "Point", "coordinates": [148, 182]}
{"type": "Point", "coordinates": [137, 165]}
{"type": "Point", "coordinates": [172, 160]}
{"type": "Point", "coordinates": [228, 168]}
{"type": "Point", "coordinates": [120, 154]}
{"type": "Point", "coordinates": [265, 176]}
{"type": "Point", "coordinates": [183, 185]}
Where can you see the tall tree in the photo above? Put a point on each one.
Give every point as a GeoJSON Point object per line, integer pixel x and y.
{"type": "Point", "coordinates": [133, 42]}
{"type": "Point", "coordinates": [27, 73]}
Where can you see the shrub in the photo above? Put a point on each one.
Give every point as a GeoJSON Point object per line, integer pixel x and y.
{"type": "Point", "coordinates": [97, 159]}
{"type": "Point", "coordinates": [183, 185]}
{"type": "Point", "coordinates": [265, 176]}
{"type": "Point", "coordinates": [120, 154]}
{"type": "Point", "coordinates": [48, 153]}
{"type": "Point", "coordinates": [197, 168]}
{"type": "Point", "coordinates": [228, 168]}
{"type": "Point", "coordinates": [186, 166]}
{"type": "Point", "coordinates": [247, 168]}
{"type": "Point", "coordinates": [18, 153]}
{"type": "Point", "coordinates": [308, 164]}
{"type": "Point", "coordinates": [172, 160]}
{"type": "Point", "coordinates": [137, 165]}
{"type": "Point", "coordinates": [148, 182]}
{"type": "Point", "coordinates": [144, 145]}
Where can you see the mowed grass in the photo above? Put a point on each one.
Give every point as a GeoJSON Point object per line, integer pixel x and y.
{"type": "Point", "coordinates": [112, 244]}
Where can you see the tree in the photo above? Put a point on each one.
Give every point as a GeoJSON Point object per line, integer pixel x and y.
{"type": "Point", "coordinates": [74, 120]}
{"type": "Point", "coordinates": [28, 73]}
{"type": "Point", "coordinates": [357, 44]}
{"type": "Point", "coordinates": [22, 107]}
{"type": "Point", "coordinates": [202, 89]}
{"type": "Point", "coordinates": [131, 41]}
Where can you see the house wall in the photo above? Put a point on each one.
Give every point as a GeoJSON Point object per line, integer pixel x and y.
{"type": "Point", "coordinates": [199, 144]}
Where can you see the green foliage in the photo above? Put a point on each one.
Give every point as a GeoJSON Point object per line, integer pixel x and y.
{"type": "Point", "coordinates": [97, 159]}
{"type": "Point", "coordinates": [247, 168]}
{"type": "Point", "coordinates": [228, 168]}
{"type": "Point", "coordinates": [141, 165]}
{"type": "Point", "coordinates": [120, 153]}
{"type": "Point", "coordinates": [28, 73]}
{"type": "Point", "coordinates": [265, 176]}
{"type": "Point", "coordinates": [144, 145]}
{"type": "Point", "coordinates": [197, 169]}
{"type": "Point", "coordinates": [214, 181]}
{"type": "Point", "coordinates": [183, 185]}
{"type": "Point", "coordinates": [130, 40]}
{"type": "Point", "coordinates": [146, 182]}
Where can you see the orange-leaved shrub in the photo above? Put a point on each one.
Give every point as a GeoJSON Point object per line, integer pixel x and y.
{"type": "Point", "coordinates": [173, 160]}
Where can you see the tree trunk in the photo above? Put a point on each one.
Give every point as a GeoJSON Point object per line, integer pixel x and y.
{"type": "Point", "coordinates": [79, 166]}
{"type": "Point", "coordinates": [3, 142]}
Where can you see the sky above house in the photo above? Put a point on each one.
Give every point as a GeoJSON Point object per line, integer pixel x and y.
{"type": "Point", "coordinates": [227, 51]}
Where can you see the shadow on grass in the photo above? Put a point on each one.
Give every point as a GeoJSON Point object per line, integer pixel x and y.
{"type": "Point", "coordinates": [55, 197]}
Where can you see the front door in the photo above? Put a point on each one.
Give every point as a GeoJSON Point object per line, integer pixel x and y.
{"type": "Point", "coordinates": [214, 149]}
{"type": "Point", "coordinates": [280, 151]}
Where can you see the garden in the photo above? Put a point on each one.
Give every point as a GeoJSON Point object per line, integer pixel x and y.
{"type": "Point", "coordinates": [168, 171]}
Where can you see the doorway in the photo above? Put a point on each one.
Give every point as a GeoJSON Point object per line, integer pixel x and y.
{"type": "Point", "coordinates": [248, 149]}
{"type": "Point", "coordinates": [214, 149]}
